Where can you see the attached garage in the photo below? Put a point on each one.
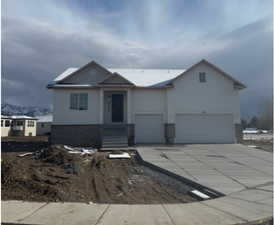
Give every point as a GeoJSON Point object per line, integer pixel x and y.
{"type": "Point", "coordinates": [149, 128]}
{"type": "Point", "coordinates": [204, 128]}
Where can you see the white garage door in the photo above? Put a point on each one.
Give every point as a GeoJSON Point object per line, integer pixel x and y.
{"type": "Point", "coordinates": [149, 128]}
{"type": "Point", "coordinates": [200, 128]}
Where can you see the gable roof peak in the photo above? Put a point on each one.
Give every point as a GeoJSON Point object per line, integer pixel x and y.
{"type": "Point", "coordinates": [238, 83]}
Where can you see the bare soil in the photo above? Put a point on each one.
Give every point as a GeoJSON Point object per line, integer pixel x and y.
{"type": "Point", "coordinates": [23, 144]}
{"type": "Point", "coordinates": [56, 175]}
{"type": "Point", "coordinates": [25, 138]}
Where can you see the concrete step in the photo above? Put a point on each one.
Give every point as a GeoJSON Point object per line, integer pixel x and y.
{"type": "Point", "coordinates": [114, 138]}
{"type": "Point", "coordinates": [115, 145]}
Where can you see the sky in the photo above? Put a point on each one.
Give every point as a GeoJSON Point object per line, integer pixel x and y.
{"type": "Point", "coordinates": [42, 38]}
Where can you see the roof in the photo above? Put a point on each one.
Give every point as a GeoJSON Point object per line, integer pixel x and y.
{"type": "Point", "coordinates": [138, 77]}
{"type": "Point", "coordinates": [67, 72]}
{"type": "Point", "coordinates": [45, 118]}
{"type": "Point", "coordinates": [23, 117]}
{"type": "Point", "coordinates": [156, 78]}
{"type": "Point", "coordinates": [5, 117]}
{"type": "Point", "coordinates": [18, 117]}
{"type": "Point", "coordinates": [147, 77]}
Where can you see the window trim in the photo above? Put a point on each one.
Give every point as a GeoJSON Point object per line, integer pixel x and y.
{"type": "Point", "coordinates": [79, 101]}
{"type": "Point", "coordinates": [18, 123]}
{"type": "Point", "coordinates": [30, 123]}
{"type": "Point", "coordinates": [7, 122]}
{"type": "Point", "coordinates": [202, 77]}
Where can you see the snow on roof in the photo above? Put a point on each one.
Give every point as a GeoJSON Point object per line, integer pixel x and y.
{"type": "Point", "coordinates": [139, 77]}
{"type": "Point", "coordinates": [148, 77]}
{"type": "Point", "coordinates": [23, 117]}
{"type": "Point", "coordinates": [5, 116]}
{"type": "Point", "coordinates": [74, 85]}
{"type": "Point", "coordinates": [65, 74]}
{"type": "Point", "coordinates": [45, 118]}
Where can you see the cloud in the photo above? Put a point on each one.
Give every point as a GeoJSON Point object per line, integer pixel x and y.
{"type": "Point", "coordinates": [42, 38]}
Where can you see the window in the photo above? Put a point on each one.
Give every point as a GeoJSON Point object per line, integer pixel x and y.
{"type": "Point", "coordinates": [7, 123]}
{"type": "Point", "coordinates": [79, 101]}
{"type": "Point", "coordinates": [19, 123]}
{"type": "Point", "coordinates": [2, 122]}
{"type": "Point", "coordinates": [30, 123]}
{"type": "Point", "coordinates": [42, 125]}
{"type": "Point", "coordinates": [202, 77]}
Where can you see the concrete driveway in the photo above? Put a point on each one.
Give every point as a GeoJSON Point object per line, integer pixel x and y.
{"type": "Point", "coordinates": [226, 168]}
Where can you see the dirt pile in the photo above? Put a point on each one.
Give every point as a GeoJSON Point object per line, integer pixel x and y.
{"type": "Point", "coordinates": [56, 175]}
{"type": "Point", "coordinates": [21, 144]}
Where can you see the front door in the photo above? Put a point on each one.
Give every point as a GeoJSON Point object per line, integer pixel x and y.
{"type": "Point", "coordinates": [117, 108]}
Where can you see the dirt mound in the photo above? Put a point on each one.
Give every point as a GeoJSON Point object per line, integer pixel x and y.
{"type": "Point", "coordinates": [53, 174]}
{"type": "Point", "coordinates": [21, 144]}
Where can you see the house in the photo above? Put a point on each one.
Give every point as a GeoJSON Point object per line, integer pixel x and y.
{"type": "Point", "coordinates": [18, 126]}
{"type": "Point", "coordinates": [5, 126]}
{"type": "Point", "coordinates": [101, 106]}
{"type": "Point", "coordinates": [44, 125]}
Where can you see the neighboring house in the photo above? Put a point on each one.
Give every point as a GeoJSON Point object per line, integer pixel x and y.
{"type": "Point", "coordinates": [44, 125]}
{"type": "Point", "coordinates": [5, 126]}
{"type": "Point", "coordinates": [18, 126]}
{"type": "Point", "coordinates": [94, 104]}
{"type": "Point", "coordinates": [251, 131]}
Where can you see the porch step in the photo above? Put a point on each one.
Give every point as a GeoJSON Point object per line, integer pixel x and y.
{"type": "Point", "coordinates": [114, 136]}
{"type": "Point", "coordinates": [115, 141]}
{"type": "Point", "coordinates": [106, 146]}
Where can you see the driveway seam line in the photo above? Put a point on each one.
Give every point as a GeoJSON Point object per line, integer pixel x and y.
{"type": "Point", "coordinates": [260, 203]}
{"type": "Point", "coordinates": [180, 167]}
{"type": "Point", "coordinates": [264, 190]}
{"type": "Point", "coordinates": [249, 166]}
{"type": "Point", "coordinates": [258, 157]}
{"type": "Point", "coordinates": [102, 215]}
{"type": "Point", "coordinates": [36, 210]}
{"type": "Point", "coordinates": [231, 178]}
{"type": "Point", "coordinates": [170, 217]}
{"type": "Point", "coordinates": [217, 171]}
{"type": "Point", "coordinates": [223, 211]}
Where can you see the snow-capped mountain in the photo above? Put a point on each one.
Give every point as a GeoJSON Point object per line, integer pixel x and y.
{"type": "Point", "coordinates": [9, 109]}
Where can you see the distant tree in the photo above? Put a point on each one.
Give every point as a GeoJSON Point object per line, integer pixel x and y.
{"type": "Point", "coordinates": [253, 122]}
{"type": "Point", "coordinates": [244, 123]}
{"type": "Point", "coordinates": [266, 116]}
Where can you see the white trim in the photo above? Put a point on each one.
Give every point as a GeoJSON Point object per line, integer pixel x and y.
{"type": "Point", "coordinates": [149, 113]}
{"type": "Point", "coordinates": [124, 92]}
{"type": "Point", "coordinates": [129, 99]}
{"type": "Point", "coordinates": [101, 106]}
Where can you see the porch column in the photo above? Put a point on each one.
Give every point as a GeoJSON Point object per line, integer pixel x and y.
{"type": "Point", "coordinates": [101, 106]}
{"type": "Point", "coordinates": [129, 106]}
{"type": "Point", "coordinates": [130, 125]}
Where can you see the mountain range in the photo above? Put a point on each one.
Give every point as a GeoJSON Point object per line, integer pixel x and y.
{"type": "Point", "coordinates": [34, 111]}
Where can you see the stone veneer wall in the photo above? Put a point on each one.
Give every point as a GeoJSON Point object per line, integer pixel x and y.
{"type": "Point", "coordinates": [131, 134]}
{"type": "Point", "coordinates": [77, 135]}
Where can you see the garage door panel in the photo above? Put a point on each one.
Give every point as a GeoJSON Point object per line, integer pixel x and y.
{"type": "Point", "coordinates": [149, 128]}
{"type": "Point", "coordinates": [200, 128]}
